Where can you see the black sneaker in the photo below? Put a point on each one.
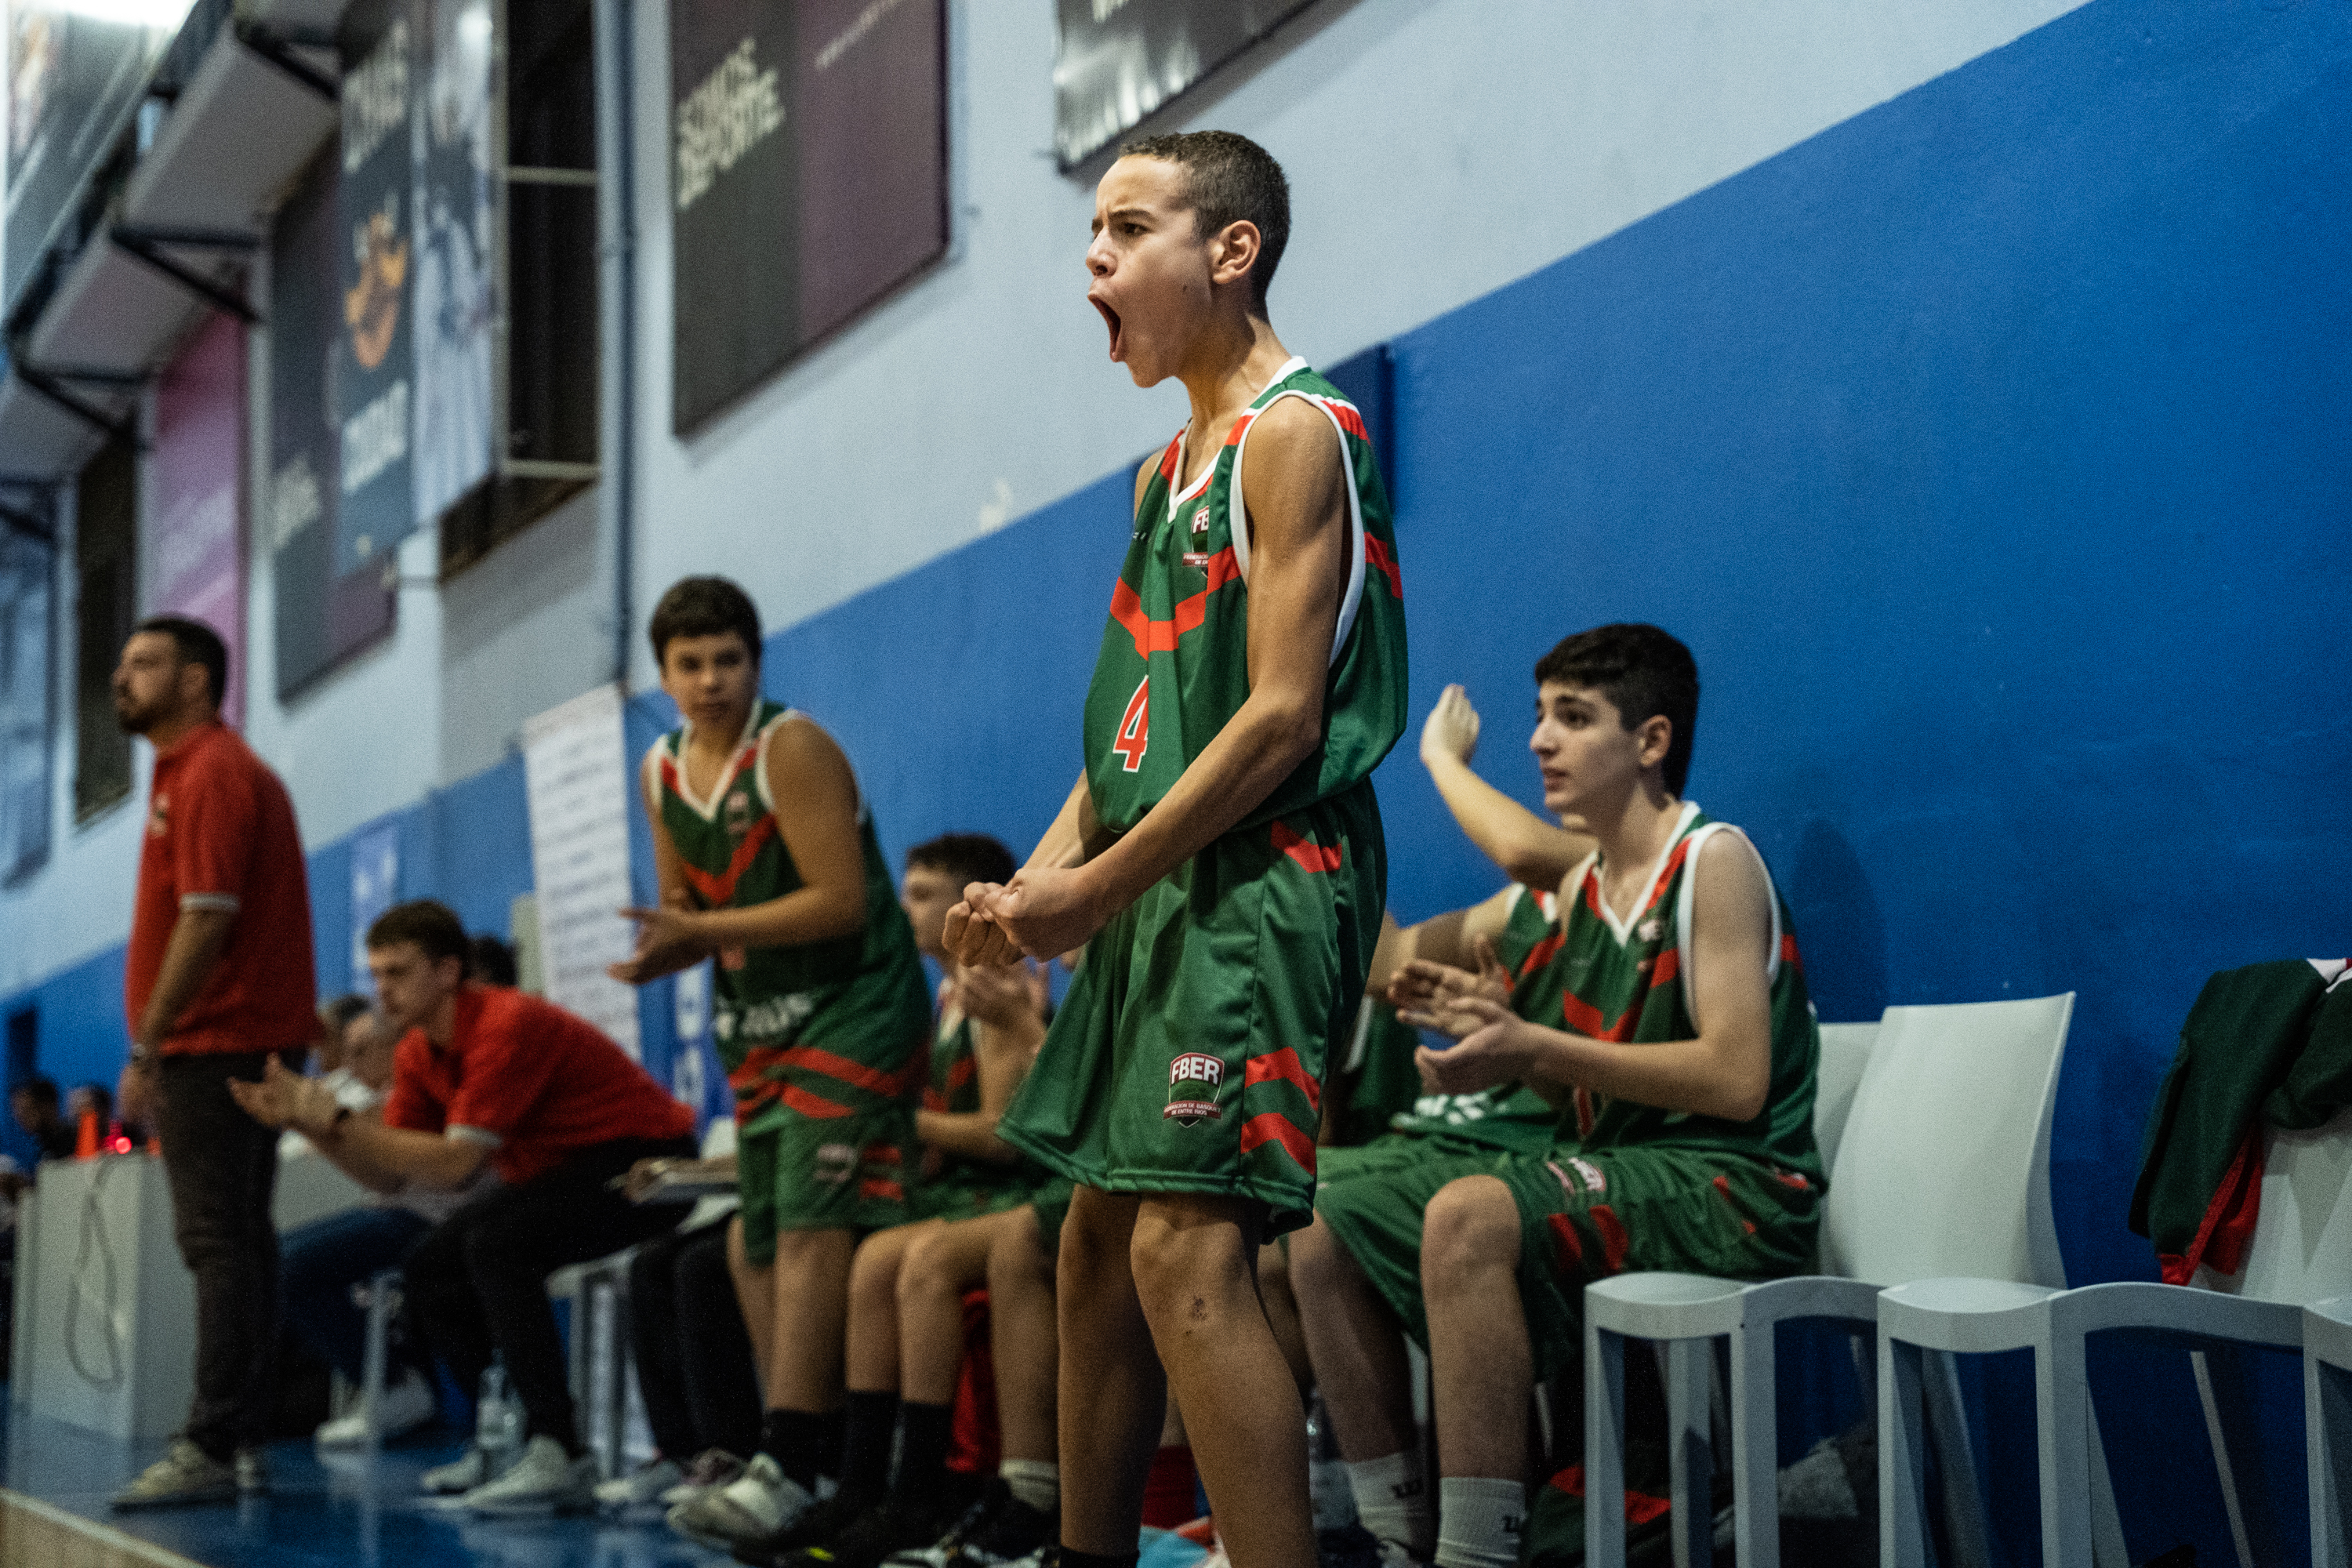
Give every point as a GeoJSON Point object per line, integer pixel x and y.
{"type": "Point", "coordinates": [819, 1525]}
{"type": "Point", "coordinates": [1014, 1531]}
{"type": "Point", "coordinates": [938, 1553]}
{"type": "Point", "coordinates": [893, 1524]}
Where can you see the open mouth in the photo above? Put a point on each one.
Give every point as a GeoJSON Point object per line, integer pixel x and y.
{"type": "Point", "coordinates": [1110, 318]}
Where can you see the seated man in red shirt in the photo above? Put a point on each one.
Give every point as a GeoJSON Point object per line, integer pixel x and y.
{"type": "Point", "coordinates": [487, 1075]}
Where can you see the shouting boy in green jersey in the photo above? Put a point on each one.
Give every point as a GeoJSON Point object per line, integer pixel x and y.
{"type": "Point", "coordinates": [1678, 1041]}
{"type": "Point", "coordinates": [768, 861]}
{"type": "Point", "coordinates": [1220, 858]}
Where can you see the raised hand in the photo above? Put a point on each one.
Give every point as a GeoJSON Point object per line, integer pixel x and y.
{"type": "Point", "coordinates": [972, 937]}
{"type": "Point", "coordinates": [1452, 728]}
{"type": "Point", "coordinates": [999, 994]}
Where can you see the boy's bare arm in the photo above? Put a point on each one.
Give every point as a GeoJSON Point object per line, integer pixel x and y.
{"type": "Point", "coordinates": [1296, 499]}
{"type": "Point", "coordinates": [816, 814]}
{"type": "Point", "coordinates": [1008, 1032]}
{"type": "Point", "coordinates": [1451, 939]}
{"type": "Point", "coordinates": [1726, 1071]}
{"type": "Point", "coordinates": [635, 970]}
{"type": "Point", "coordinates": [1528, 848]}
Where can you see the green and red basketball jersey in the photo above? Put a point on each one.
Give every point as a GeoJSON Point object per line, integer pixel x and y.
{"type": "Point", "coordinates": [1174, 665]}
{"type": "Point", "coordinates": [821, 1029]}
{"type": "Point", "coordinates": [963, 1187]}
{"type": "Point", "coordinates": [1629, 982]}
{"type": "Point", "coordinates": [1508, 1116]}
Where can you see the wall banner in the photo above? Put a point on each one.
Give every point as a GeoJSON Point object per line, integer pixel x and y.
{"type": "Point", "coordinates": [373, 370]}
{"type": "Point", "coordinates": [75, 79]}
{"type": "Point", "coordinates": [1116, 61]}
{"type": "Point", "coordinates": [576, 775]}
{"type": "Point", "coordinates": [195, 535]}
{"type": "Point", "coordinates": [321, 618]}
{"type": "Point", "coordinates": [808, 177]}
{"type": "Point", "coordinates": [454, 296]}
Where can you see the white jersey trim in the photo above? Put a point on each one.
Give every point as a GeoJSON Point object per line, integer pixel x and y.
{"type": "Point", "coordinates": [674, 744]}
{"type": "Point", "coordinates": [1623, 930]}
{"type": "Point", "coordinates": [1238, 520]}
{"type": "Point", "coordinates": [1683, 913]}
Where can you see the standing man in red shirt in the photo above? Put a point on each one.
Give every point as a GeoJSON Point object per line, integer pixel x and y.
{"type": "Point", "coordinates": [483, 1076]}
{"type": "Point", "coordinates": [218, 979]}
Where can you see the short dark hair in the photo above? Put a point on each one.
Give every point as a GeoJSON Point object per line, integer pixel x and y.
{"type": "Point", "coordinates": [1229, 179]}
{"type": "Point", "coordinates": [44, 1090]}
{"type": "Point", "coordinates": [1643, 672]}
{"type": "Point", "coordinates": [198, 644]}
{"type": "Point", "coordinates": [338, 1012]}
{"type": "Point", "coordinates": [431, 924]}
{"type": "Point", "coordinates": [493, 962]}
{"type": "Point", "coordinates": [968, 857]}
{"type": "Point", "coordinates": [704, 607]}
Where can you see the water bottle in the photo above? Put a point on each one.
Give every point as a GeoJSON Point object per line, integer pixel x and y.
{"type": "Point", "coordinates": [1333, 1499]}
{"type": "Point", "coordinates": [497, 1421]}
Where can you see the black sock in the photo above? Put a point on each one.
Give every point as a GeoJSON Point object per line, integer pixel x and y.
{"type": "Point", "coordinates": [868, 1422]}
{"type": "Point", "coordinates": [923, 1448]}
{"type": "Point", "coordinates": [800, 1442]}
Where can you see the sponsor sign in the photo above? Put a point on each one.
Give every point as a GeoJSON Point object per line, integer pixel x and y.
{"type": "Point", "coordinates": [1119, 61]}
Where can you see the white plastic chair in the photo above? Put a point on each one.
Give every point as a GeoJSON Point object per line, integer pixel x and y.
{"type": "Point", "coordinates": [1941, 1167]}
{"type": "Point", "coordinates": [2300, 1253]}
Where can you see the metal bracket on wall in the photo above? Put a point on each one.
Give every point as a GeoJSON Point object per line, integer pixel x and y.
{"type": "Point", "coordinates": [277, 48]}
{"type": "Point", "coordinates": [47, 384]}
{"type": "Point", "coordinates": [147, 244]}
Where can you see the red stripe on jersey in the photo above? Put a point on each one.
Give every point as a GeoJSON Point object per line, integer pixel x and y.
{"type": "Point", "coordinates": [1273, 1127]}
{"type": "Point", "coordinates": [1350, 420]}
{"type": "Point", "coordinates": [1241, 427]}
{"type": "Point", "coordinates": [1543, 952]}
{"type": "Point", "coordinates": [1585, 1018]}
{"type": "Point", "coordinates": [1168, 458]}
{"type": "Point", "coordinates": [1571, 1246]}
{"type": "Point", "coordinates": [1284, 1066]}
{"type": "Point", "coordinates": [1592, 890]}
{"type": "Point", "coordinates": [872, 1187]}
{"type": "Point", "coordinates": [934, 1101]}
{"type": "Point", "coordinates": [1378, 556]}
{"type": "Point", "coordinates": [1666, 877]}
{"type": "Point", "coordinates": [874, 1080]}
{"type": "Point", "coordinates": [813, 1106]}
{"type": "Point", "coordinates": [1789, 953]}
{"type": "Point", "coordinates": [1669, 964]}
{"type": "Point", "coordinates": [1317, 857]}
{"type": "Point", "coordinates": [1612, 1236]}
{"type": "Point", "coordinates": [1160, 636]}
{"type": "Point", "coordinates": [719, 890]}
{"type": "Point", "coordinates": [964, 1070]}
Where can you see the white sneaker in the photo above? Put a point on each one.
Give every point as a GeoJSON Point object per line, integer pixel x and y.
{"type": "Point", "coordinates": [711, 1468]}
{"type": "Point", "coordinates": [185, 1474]}
{"type": "Point", "coordinates": [407, 1405]}
{"type": "Point", "coordinates": [462, 1474]}
{"type": "Point", "coordinates": [761, 1502]}
{"type": "Point", "coordinates": [648, 1485]}
{"type": "Point", "coordinates": [546, 1479]}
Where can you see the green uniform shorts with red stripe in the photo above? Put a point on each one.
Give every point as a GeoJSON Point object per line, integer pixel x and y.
{"type": "Point", "coordinates": [1189, 1056]}
{"type": "Point", "coordinates": [843, 1173]}
{"type": "Point", "coordinates": [1582, 1217]}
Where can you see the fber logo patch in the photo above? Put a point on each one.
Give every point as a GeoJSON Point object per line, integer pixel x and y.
{"type": "Point", "coordinates": [1192, 1080]}
{"type": "Point", "coordinates": [1201, 521]}
{"type": "Point", "coordinates": [836, 1163]}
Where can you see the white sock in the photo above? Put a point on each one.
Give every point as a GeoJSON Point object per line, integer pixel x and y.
{"type": "Point", "coordinates": [1392, 1502]}
{"type": "Point", "coordinates": [1037, 1482]}
{"type": "Point", "coordinates": [1479, 1522]}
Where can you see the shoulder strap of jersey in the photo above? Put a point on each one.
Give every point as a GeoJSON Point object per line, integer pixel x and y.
{"type": "Point", "coordinates": [1688, 892]}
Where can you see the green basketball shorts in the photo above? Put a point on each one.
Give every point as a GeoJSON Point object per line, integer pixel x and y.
{"type": "Point", "coordinates": [1582, 1217]}
{"type": "Point", "coordinates": [1189, 1057]}
{"type": "Point", "coordinates": [1052, 1202]}
{"type": "Point", "coordinates": [847, 1172]}
{"type": "Point", "coordinates": [969, 1191]}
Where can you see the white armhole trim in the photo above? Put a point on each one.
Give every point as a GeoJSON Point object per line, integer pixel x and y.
{"type": "Point", "coordinates": [649, 774]}
{"type": "Point", "coordinates": [759, 767]}
{"type": "Point", "coordinates": [481, 1135]}
{"type": "Point", "coordinates": [1239, 522]}
{"type": "Point", "coordinates": [1511, 896]}
{"type": "Point", "coordinates": [225, 902]}
{"type": "Point", "coordinates": [1363, 1036]}
{"type": "Point", "coordinates": [1689, 890]}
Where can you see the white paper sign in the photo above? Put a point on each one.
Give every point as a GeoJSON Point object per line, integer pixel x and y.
{"type": "Point", "coordinates": [575, 772]}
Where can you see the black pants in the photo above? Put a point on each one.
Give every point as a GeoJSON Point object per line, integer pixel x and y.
{"type": "Point", "coordinates": [477, 1284]}
{"type": "Point", "coordinates": [694, 1355]}
{"type": "Point", "coordinates": [222, 1168]}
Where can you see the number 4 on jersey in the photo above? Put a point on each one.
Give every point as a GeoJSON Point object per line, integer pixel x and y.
{"type": "Point", "coordinates": [1135, 728]}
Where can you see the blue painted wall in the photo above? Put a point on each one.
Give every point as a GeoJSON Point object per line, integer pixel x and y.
{"type": "Point", "coordinates": [1993, 452]}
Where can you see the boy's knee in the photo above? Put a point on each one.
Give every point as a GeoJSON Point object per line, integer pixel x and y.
{"type": "Point", "coordinates": [928, 1268]}
{"type": "Point", "coordinates": [1318, 1264]}
{"type": "Point", "coordinates": [1183, 1245]}
{"type": "Point", "coordinates": [874, 1272]}
{"type": "Point", "coordinates": [1471, 1224]}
